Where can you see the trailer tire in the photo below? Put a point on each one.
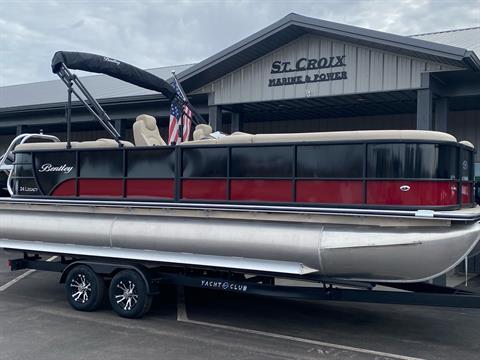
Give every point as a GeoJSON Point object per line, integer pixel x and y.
{"type": "Point", "coordinates": [85, 288]}
{"type": "Point", "coordinates": [129, 295]}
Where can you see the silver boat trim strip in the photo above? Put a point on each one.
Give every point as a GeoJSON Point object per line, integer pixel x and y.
{"type": "Point", "coordinates": [460, 215]}
{"type": "Point", "coordinates": [238, 263]}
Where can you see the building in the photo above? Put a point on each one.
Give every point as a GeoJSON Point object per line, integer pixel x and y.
{"type": "Point", "coordinates": [298, 74]}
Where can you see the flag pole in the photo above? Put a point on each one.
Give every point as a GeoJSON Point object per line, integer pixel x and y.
{"type": "Point", "coordinates": [182, 96]}
{"type": "Point", "coordinates": [186, 101]}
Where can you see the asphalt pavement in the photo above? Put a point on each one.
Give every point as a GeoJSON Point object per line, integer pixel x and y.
{"type": "Point", "coordinates": [36, 322]}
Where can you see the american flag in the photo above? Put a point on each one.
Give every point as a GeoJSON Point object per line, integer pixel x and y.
{"type": "Point", "coordinates": [180, 117]}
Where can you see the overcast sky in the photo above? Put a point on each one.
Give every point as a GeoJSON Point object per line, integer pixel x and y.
{"type": "Point", "coordinates": [158, 33]}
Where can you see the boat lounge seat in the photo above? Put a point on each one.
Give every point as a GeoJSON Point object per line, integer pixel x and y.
{"type": "Point", "coordinates": [45, 145]}
{"type": "Point", "coordinates": [467, 143]}
{"type": "Point", "coordinates": [206, 141]}
{"type": "Point", "coordinates": [354, 135]}
{"type": "Point", "coordinates": [145, 132]}
{"type": "Point", "coordinates": [237, 133]}
{"type": "Point", "coordinates": [236, 139]}
{"type": "Point", "coordinates": [245, 138]}
{"type": "Point", "coordinates": [100, 143]}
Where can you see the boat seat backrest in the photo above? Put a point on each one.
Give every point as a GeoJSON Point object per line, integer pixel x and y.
{"type": "Point", "coordinates": [145, 132]}
{"type": "Point", "coordinates": [202, 131]}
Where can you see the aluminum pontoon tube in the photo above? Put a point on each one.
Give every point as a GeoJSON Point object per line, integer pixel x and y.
{"type": "Point", "coordinates": [367, 253]}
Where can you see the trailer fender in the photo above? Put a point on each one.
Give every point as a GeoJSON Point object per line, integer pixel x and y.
{"type": "Point", "coordinates": [109, 269]}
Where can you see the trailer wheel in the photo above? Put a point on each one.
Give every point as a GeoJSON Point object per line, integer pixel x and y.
{"type": "Point", "coordinates": [85, 288]}
{"type": "Point", "coordinates": [128, 295]}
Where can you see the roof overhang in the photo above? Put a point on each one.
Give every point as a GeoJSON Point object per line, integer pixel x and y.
{"type": "Point", "coordinates": [293, 26]}
{"type": "Point", "coordinates": [61, 105]}
{"type": "Point", "coordinates": [456, 83]}
{"type": "Point", "coordinates": [154, 101]}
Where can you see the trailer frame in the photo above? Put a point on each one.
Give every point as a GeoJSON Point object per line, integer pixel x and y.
{"type": "Point", "coordinates": [260, 284]}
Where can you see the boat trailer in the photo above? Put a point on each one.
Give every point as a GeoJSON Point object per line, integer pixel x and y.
{"type": "Point", "coordinates": [148, 282]}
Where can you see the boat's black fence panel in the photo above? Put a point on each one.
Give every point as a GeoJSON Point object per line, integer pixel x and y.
{"type": "Point", "coordinates": [368, 175]}
{"type": "Point", "coordinates": [46, 179]}
{"type": "Point", "coordinates": [112, 67]}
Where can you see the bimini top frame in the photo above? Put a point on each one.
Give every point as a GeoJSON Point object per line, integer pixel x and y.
{"type": "Point", "coordinates": [94, 107]}
{"type": "Point", "coordinates": [63, 61]}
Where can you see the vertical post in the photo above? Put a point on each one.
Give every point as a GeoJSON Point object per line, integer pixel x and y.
{"type": "Point", "coordinates": [440, 281]}
{"type": "Point", "coordinates": [466, 270]}
{"type": "Point", "coordinates": [20, 129]}
{"type": "Point", "coordinates": [178, 172]}
{"type": "Point", "coordinates": [215, 117]}
{"type": "Point", "coordinates": [180, 125]}
{"type": "Point", "coordinates": [441, 114]}
{"type": "Point", "coordinates": [121, 127]}
{"type": "Point", "coordinates": [424, 109]}
{"type": "Point", "coordinates": [68, 115]}
{"type": "Point", "coordinates": [236, 122]}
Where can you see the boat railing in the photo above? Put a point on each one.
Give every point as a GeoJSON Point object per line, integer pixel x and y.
{"type": "Point", "coordinates": [9, 157]}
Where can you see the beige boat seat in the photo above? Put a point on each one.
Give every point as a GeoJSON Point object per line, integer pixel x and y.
{"type": "Point", "coordinates": [145, 132]}
{"type": "Point", "coordinates": [206, 141]}
{"type": "Point", "coordinates": [467, 143]}
{"type": "Point", "coordinates": [202, 131]}
{"type": "Point", "coordinates": [236, 133]}
{"type": "Point", "coordinates": [364, 135]}
{"type": "Point", "coordinates": [100, 143]}
{"type": "Point", "coordinates": [236, 139]}
{"type": "Point", "coordinates": [44, 145]}
{"type": "Point", "coordinates": [200, 137]}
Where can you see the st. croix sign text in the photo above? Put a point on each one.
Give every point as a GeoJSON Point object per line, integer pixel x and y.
{"type": "Point", "coordinates": [304, 64]}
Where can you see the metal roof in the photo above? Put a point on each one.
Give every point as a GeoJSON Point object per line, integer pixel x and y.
{"type": "Point", "coordinates": [465, 38]}
{"type": "Point", "coordinates": [294, 25]}
{"type": "Point", "coordinates": [101, 87]}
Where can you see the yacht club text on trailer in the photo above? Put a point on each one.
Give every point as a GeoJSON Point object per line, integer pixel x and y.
{"type": "Point", "coordinates": [350, 210]}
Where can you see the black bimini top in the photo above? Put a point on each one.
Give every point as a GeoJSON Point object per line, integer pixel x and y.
{"type": "Point", "coordinates": [111, 67]}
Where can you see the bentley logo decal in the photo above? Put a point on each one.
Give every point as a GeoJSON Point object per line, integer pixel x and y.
{"type": "Point", "coordinates": [107, 59]}
{"type": "Point", "coordinates": [50, 168]}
